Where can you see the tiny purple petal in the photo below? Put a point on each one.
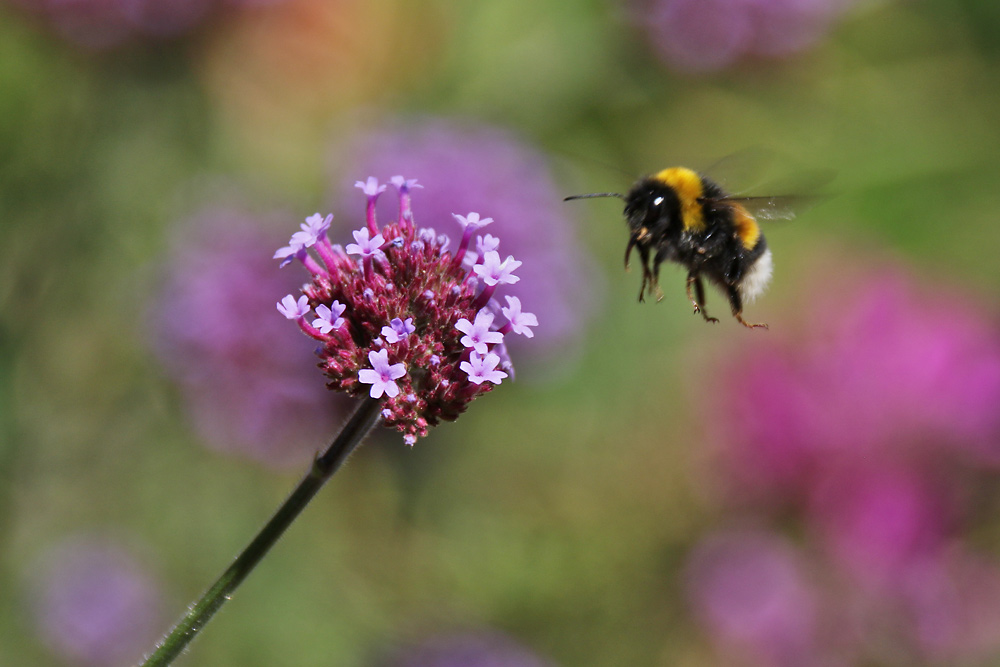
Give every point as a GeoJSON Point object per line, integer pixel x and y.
{"type": "Point", "coordinates": [293, 309]}
{"type": "Point", "coordinates": [519, 322]}
{"type": "Point", "coordinates": [287, 254]}
{"type": "Point", "coordinates": [482, 368]}
{"type": "Point", "coordinates": [485, 244]}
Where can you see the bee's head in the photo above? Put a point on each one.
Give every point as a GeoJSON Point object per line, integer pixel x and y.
{"type": "Point", "coordinates": [652, 205]}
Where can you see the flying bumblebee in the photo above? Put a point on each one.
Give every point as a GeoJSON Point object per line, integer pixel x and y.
{"type": "Point", "coordinates": [681, 216]}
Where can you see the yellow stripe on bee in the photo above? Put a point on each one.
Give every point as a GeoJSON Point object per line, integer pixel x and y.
{"type": "Point", "coordinates": [687, 184]}
{"type": "Point", "coordinates": [747, 228]}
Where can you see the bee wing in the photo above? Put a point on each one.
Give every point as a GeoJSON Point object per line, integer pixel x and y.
{"type": "Point", "coordinates": [744, 171]}
{"type": "Point", "coordinates": [778, 207]}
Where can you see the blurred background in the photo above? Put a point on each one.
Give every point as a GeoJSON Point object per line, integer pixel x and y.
{"type": "Point", "coordinates": [652, 490]}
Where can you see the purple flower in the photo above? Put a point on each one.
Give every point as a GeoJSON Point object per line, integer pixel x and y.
{"type": "Point", "coordinates": [470, 649]}
{"type": "Point", "coordinates": [953, 607]}
{"type": "Point", "coordinates": [417, 299]}
{"type": "Point", "coordinates": [485, 244]}
{"type": "Point", "coordinates": [706, 35]}
{"type": "Point", "coordinates": [371, 188]}
{"type": "Point", "coordinates": [519, 322]}
{"type": "Point", "coordinates": [873, 522]}
{"type": "Point", "coordinates": [471, 167]}
{"type": "Point", "coordinates": [404, 184]}
{"type": "Point", "coordinates": [482, 368]}
{"type": "Point", "coordinates": [494, 272]}
{"type": "Point", "coordinates": [383, 377]}
{"type": "Point", "coordinates": [750, 590]}
{"type": "Point", "coordinates": [95, 604]}
{"type": "Point", "coordinates": [106, 24]}
{"type": "Point", "coordinates": [245, 379]}
{"type": "Point", "coordinates": [292, 309]}
{"type": "Point", "coordinates": [398, 330]}
{"type": "Point", "coordinates": [896, 367]}
{"type": "Point", "coordinates": [329, 317]}
{"type": "Point", "coordinates": [870, 435]}
{"type": "Point", "coordinates": [478, 335]}
{"type": "Point", "coordinates": [365, 245]}
{"type": "Point", "coordinates": [470, 223]}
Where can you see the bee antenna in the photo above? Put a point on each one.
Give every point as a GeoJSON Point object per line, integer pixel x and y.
{"type": "Point", "coordinates": [595, 194]}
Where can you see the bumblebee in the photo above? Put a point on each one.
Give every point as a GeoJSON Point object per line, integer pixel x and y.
{"type": "Point", "coordinates": [678, 215]}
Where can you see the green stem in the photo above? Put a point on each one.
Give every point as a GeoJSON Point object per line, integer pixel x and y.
{"type": "Point", "coordinates": [364, 419]}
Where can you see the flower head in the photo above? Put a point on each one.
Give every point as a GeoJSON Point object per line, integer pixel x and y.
{"type": "Point", "coordinates": [512, 182]}
{"type": "Point", "coordinates": [392, 324]}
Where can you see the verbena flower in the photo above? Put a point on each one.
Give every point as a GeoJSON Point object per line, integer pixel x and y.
{"type": "Point", "coordinates": [244, 378]}
{"type": "Point", "coordinates": [513, 179]}
{"type": "Point", "coordinates": [105, 24]}
{"type": "Point", "coordinates": [468, 649]}
{"type": "Point", "coordinates": [94, 602]}
{"type": "Point", "coordinates": [706, 35]}
{"type": "Point", "coordinates": [398, 315]}
{"type": "Point", "coordinates": [751, 589]}
{"type": "Point", "coordinates": [871, 438]}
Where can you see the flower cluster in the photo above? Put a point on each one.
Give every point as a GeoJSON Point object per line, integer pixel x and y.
{"type": "Point", "coordinates": [403, 318]}
{"type": "Point", "coordinates": [558, 277]}
{"type": "Point", "coordinates": [710, 35]}
{"type": "Point", "coordinates": [874, 439]}
{"type": "Point", "coordinates": [106, 24]}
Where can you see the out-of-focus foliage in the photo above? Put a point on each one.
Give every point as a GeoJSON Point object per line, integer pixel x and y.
{"type": "Point", "coordinates": [678, 494]}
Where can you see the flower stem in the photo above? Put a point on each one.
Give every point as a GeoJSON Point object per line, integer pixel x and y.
{"type": "Point", "coordinates": [364, 419]}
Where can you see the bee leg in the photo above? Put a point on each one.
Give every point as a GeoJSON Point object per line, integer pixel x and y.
{"type": "Point", "coordinates": [648, 279]}
{"type": "Point", "coordinates": [737, 303]}
{"type": "Point", "coordinates": [694, 279]}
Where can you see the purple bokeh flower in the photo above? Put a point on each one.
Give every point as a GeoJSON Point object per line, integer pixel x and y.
{"type": "Point", "coordinates": [248, 384]}
{"type": "Point", "coordinates": [404, 303]}
{"type": "Point", "coordinates": [752, 591]}
{"type": "Point", "coordinates": [94, 603]}
{"type": "Point", "coordinates": [105, 24]}
{"type": "Point", "coordinates": [469, 167]}
{"type": "Point", "coordinates": [870, 437]}
{"type": "Point", "coordinates": [895, 370]}
{"type": "Point", "coordinates": [708, 35]}
{"type": "Point", "coordinates": [469, 649]}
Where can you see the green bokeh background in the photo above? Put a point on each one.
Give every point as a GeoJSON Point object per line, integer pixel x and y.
{"type": "Point", "coordinates": [559, 511]}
